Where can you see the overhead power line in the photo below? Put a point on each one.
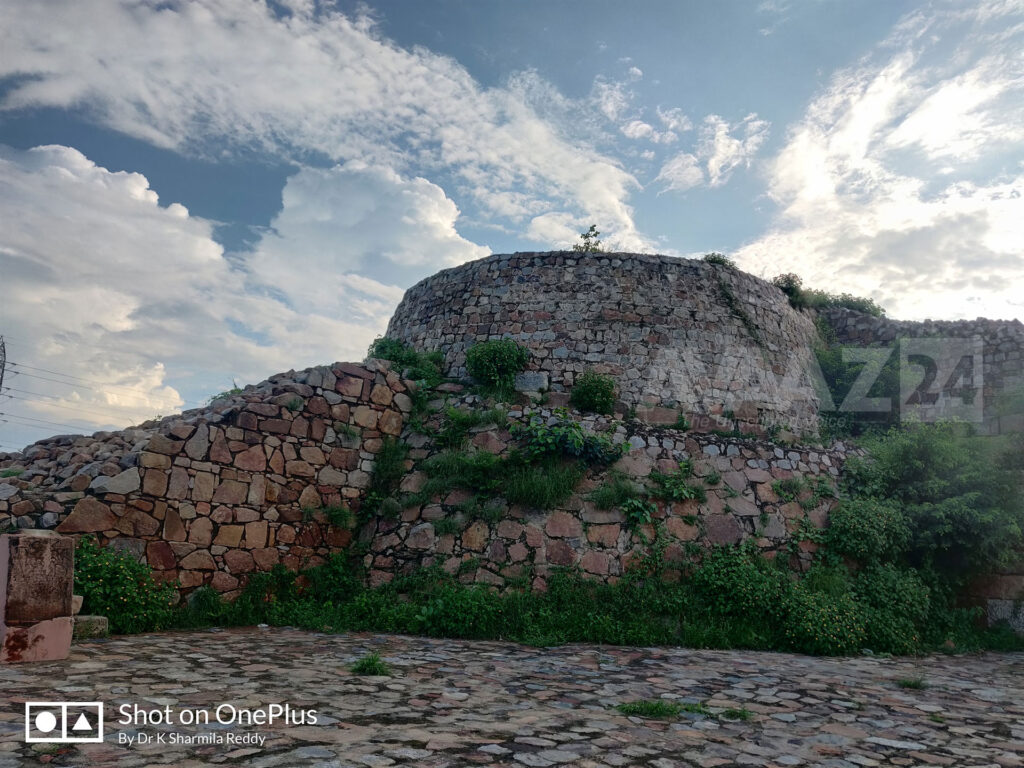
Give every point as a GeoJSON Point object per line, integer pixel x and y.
{"type": "Point", "coordinates": [98, 386]}
{"type": "Point", "coordinates": [44, 421]}
{"type": "Point", "coordinates": [92, 410]}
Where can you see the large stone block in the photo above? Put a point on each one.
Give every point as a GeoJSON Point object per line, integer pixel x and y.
{"type": "Point", "coordinates": [36, 576]}
{"type": "Point", "coordinates": [48, 640]}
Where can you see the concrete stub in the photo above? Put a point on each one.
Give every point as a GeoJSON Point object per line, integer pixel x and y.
{"type": "Point", "coordinates": [36, 579]}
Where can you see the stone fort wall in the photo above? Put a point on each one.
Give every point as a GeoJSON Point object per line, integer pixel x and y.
{"type": "Point", "coordinates": [683, 334]}
{"type": "Point", "coordinates": [997, 375]}
{"type": "Point", "coordinates": [211, 495]}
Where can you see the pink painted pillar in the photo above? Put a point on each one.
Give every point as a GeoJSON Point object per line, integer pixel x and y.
{"type": "Point", "coordinates": [36, 577]}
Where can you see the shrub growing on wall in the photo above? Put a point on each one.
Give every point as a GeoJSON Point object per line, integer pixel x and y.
{"type": "Point", "coordinates": [593, 392]}
{"type": "Point", "coordinates": [116, 585]}
{"type": "Point", "coordinates": [419, 366]}
{"type": "Point", "coordinates": [494, 364]}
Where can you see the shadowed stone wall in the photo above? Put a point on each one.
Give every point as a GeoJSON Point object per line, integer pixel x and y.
{"type": "Point", "coordinates": [214, 494]}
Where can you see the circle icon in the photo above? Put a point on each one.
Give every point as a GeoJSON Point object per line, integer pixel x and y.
{"type": "Point", "coordinates": [45, 722]}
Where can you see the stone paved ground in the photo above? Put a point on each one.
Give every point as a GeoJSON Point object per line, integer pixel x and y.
{"type": "Point", "coordinates": [454, 703]}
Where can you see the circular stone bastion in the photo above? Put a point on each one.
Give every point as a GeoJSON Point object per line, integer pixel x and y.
{"type": "Point", "coordinates": [682, 334]}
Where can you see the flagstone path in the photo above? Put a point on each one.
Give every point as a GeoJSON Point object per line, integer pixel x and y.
{"type": "Point", "coordinates": [465, 703]}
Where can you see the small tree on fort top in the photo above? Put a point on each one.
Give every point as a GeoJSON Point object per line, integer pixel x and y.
{"type": "Point", "coordinates": [590, 242]}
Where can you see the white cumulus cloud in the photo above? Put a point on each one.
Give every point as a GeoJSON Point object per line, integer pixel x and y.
{"type": "Point", "coordinates": [864, 208]}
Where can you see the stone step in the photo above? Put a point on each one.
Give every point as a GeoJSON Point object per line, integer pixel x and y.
{"type": "Point", "coordinates": [91, 626]}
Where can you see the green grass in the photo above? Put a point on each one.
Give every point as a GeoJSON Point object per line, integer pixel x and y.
{"type": "Point", "coordinates": [742, 713]}
{"type": "Point", "coordinates": [11, 472]}
{"type": "Point", "coordinates": [339, 515]}
{"type": "Point", "coordinates": [913, 683]}
{"type": "Point", "coordinates": [371, 665]}
{"type": "Point", "coordinates": [616, 490]}
{"type": "Point", "coordinates": [655, 708]}
{"type": "Point", "coordinates": [541, 486]}
{"type": "Point", "coordinates": [458, 423]}
{"type": "Point", "coordinates": [447, 526]}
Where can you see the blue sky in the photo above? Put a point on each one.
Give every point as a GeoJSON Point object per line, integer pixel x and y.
{"type": "Point", "coordinates": [199, 192]}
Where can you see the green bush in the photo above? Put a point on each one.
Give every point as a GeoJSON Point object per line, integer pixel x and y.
{"type": "Point", "coordinates": [116, 585]}
{"type": "Point", "coordinates": [411, 363]}
{"type": "Point", "coordinates": [566, 438]}
{"type": "Point", "coordinates": [676, 486]}
{"type": "Point", "coordinates": [823, 624]}
{"type": "Point", "coordinates": [896, 606]}
{"type": "Point", "coordinates": [593, 392]}
{"type": "Point", "coordinates": [494, 364]}
{"type": "Point", "coordinates": [867, 529]}
{"type": "Point", "coordinates": [388, 469]}
{"type": "Point", "coordinates": [800, 297]}
{"type": "Point", "coordinates": [720, 259]}
{"type": "Point", "coordinates": [962, 508]}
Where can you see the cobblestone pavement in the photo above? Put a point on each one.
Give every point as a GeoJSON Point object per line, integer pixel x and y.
{"type": "Point", "coordinates": [454, 703]}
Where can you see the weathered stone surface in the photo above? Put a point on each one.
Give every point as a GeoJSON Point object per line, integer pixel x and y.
{"type": "Point", "coordinates": [239, 561]}
{"type": "Point", "coordinates": [605, 535]}
{"type": "Point", "coordinates": [421, 536]}
{"type": "Point", "coordinates": [161, 444]}
{"type": "Point", "coordinates": [560, 553]}
{"type": "Point", "coordinates": [252, 459]}
{"type": "Point", "coordinates": [88, 516]}
{"type": "Point", "coordinates": [474, 538]}
{"type": "Point", "coordinates": [722, 529]}
{"type": "Point", "coordinates": [48, 640]}
{"type": "Point", "coordinates": [200, 532]}
{"type": "Point", "coordinates": [197, 446]}
{"type": "Point", "coordinates": [160, 556]}
{"type": "Point", "coordinates": [682, 530]}
{"type": "Point", "coordinates": [229, 535]}
{"type": "Point", "coordinates": [124, 483]}
{"type": "Point", "coordinates": [230, 492]}
{"type": "Point", "coordinates": [36, 575]}
{"type": "Point", "coordinates": [564, 525]}
{"type": "Point", "coordinates": [200, 560]}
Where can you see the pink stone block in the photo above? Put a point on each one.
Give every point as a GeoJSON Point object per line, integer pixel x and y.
{"type": "Point", "coordinates": [48, 640]}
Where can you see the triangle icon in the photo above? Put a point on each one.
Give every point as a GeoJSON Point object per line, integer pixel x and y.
{"type": "Point", "coordinates": [81, 724]}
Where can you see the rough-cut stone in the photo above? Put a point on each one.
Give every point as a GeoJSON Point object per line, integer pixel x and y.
{"type": "Point", "coordinates": [474, 538]}
{"type": "Point", "coordinates": [230, 492]}
{"type": "Point", "coordinates": [722, 529]}
{"type": "Point", "coordinates": [229, 535]}
{"type": "Point", "coordinates": [239, 561]}
{"type": "Point", "coordinates": [252, 459]}
{"type": "Point", "coordinates": [197, 446]}
{"type": "Point", "coordinates": [563, 525]}
{"type": "Point", "coordinates": [124, 483]}
{"type": "Point", "coordinates": [160, 555]}
{"type": "Point", "coordinates": [200, 532]}
{"type": "Point", "coordinates": [200, 560]}
{"type": "Point", "coordinates": [421, 536]}
{"type": "Point", "coordinates": [88, 516]}
{"type": "Point", "coordinates": [560, 553]}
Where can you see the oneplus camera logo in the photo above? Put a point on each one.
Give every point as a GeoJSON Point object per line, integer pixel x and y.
{"type": "Point", "coordinates": [63, 722]}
